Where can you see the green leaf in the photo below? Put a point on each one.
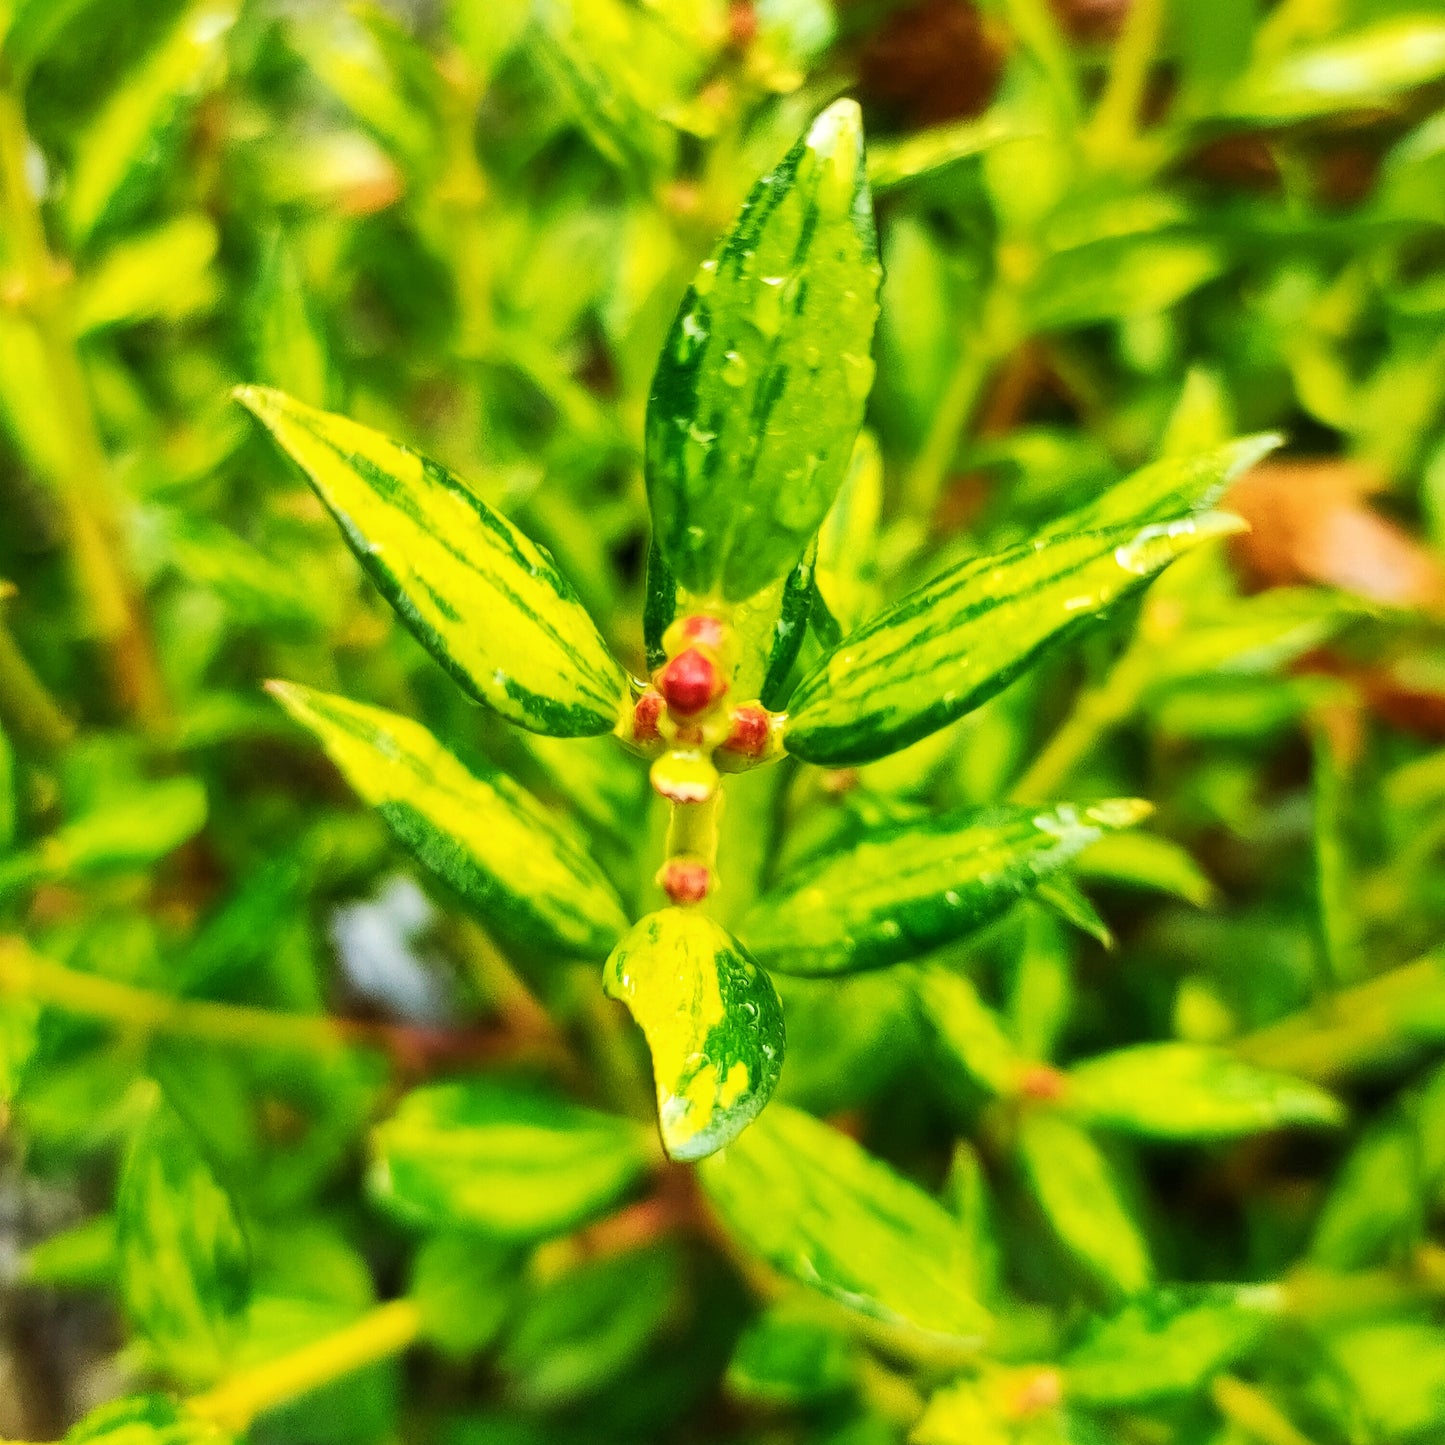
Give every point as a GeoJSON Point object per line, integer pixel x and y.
{"type": "Point", "coordinates": [1132, 276]}
{"type": "Point", "coordinates": [1075, 1187]}
{"type": "Point", "coordinates": [19, 1038]}
{"type": "Point", "coordinates": [792, 1356]}
{"type": "Point", "coordinates": [137, 133]}
{"type": "Point", "coordinates": [1169, 1343]}
{"type": "Point", "coordinates": [713, 1024]}
{"type": "Point", "coordinates": [145, 824]}
{"type": "Point", "coordinates": [487, 602]}
{"type": "Point", "coordinates": [184, 1263]}
{"type": "Point", "coordinates": [145, 1420]}
{"type": "Point", "coordinates": [760, 390]}
{"type": "Point", "coordinates": [790, 629]}
{"type": "Point", "coordinates": [908, 887]}
{"type": "Point", "coordinates": [822, 1211]}
{"type": "Point", "coordinates": [1351, 72]}
{"type": "Point", "coordinates": [927, 152]}
{"type": "Point", "coordinates": [162, 273]}
{"type": "Point", "coordinates": [965, 1031]}
{"type": "Point", "coordinates": [288, 344]}
{"type": "Point", "coordinates": [1145, 860]}
{"type": "Point", "coordinates": [502, 1159]}
{"type": "Point", "coordinates": [960, 639]}
{"type": "Point", "coordinates": [1189, 1091]}
{"type": "Point", "coordinates": [526, 872]}
{"type": "Point", "coordinates": [465, 1287]}
{"type": "Point", "coordinates": [848, 539]}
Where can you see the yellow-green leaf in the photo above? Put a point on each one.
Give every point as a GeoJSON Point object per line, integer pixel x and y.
{"type": "Point", "coordinates": [1075, 1187]}
{"type": "Point", "coordinates": [823, 1211]}
{"type": "Point", "coordinates": [503, 1159]}
{"type": "Point", "coordinates": [1189, 1091]}
{"type": "Point", "coordinates": [955, 642]}
{"type": "Point", "coordinates": [486, 601]}
{"type": "Point", "coordinates": [908, 887]}
{"type": "Point", "coordinates": [184, 1263]}
{"type": "Point", "coordinates": [136, 133]}
{"type": "Point", "coordinates": [760, 389]}
{"type": "Point", "coordinates": [526, 872]}
{"type": "Point", "coordinates": [163, 272]}
{"type": "Point", "coordinates": [713, 1023]}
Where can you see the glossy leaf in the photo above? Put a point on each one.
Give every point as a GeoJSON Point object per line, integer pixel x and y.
{"type": "Point", "coordinates": [502, 1159]}
{"type": "Point", "coordinates": [488, 603]}
{"type": "Point", "coordinates": [1076, 1190]}
{"type": "Point", "coordinates": [1170, 1343]}
{"type": "Point", "coordinates": [713, 1024]}
{"type": "Point", "coordinates": [137, 132]}
{"type": "Point", "coordinates": [955, 642]}
{"type": "Point", "coordinates": [821, 1210]}
{"type": "Point", "coordinates": [184, 1262]}
{"type": "Point", "coordinates": [1187, 1091]}
{"type": "Point", "coordinates": [1145, 860]}
{"type": "Point", "coordinates": [908, 887]}
{"type": "Point", "coordinates": [763, 377]}
{"type": "Point", "coordinates": [792, 1356]}
{"type": "Point", "coordinates": [526, 872]}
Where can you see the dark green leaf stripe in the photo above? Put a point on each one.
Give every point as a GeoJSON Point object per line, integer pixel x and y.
{"type": "Point", "coordinates": [955, 642]}
{"type": "Point", "coordinates": [523, 870]}
{"type": "Point", "coordinates": [763, 377]}
{"type": "Point", "coordinates": [713, 1024]}
{"type": "Point", "coordinates": [503, 1159]}
{"type": "Point", "coordinates": [823, 1211]}
{"type": "Point", "coordinates": [800, 593]}
{"type": "Point", "coordinates": [911, 886]}
{"type": "Point", "coordinates": [486, 601]}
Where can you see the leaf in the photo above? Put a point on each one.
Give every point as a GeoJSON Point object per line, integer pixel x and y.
{"type": "Point", "coordinates": [465, 1287]}
{"type": "Point", "coordinates": [960, 639]}
{"type": "Point", "coordinates": [908, 887]}
{"type": "Point", "coordinates": [760, 389]}
{"type": "Point", "coordinates": [147, 822]}
{"type": "Point", "coordinates": [799, 597]}
{"type": "Point", "coordinates": [1107, 280]}
{"type": "Point", "coordinates": [1188, 1091]}
{"type": "Point", "coordinates": [713, 1024]}
{"type": "Point", "coordinates": [503, 1159]}
{"type": "Point", "coordinates": [848, 539]}
{"type": "Point", "coordinates": [792, 1356]}
{"type": "Point", "coordinates": [965, 1030]}
{"type": "Point", "coordinates": [527, 874]}
{"type": "Point", "coordinates": [927, 152]}
{"type": "Point", "coordinates": [164, 272]}
{"type": "Point", "coordinates": [145, 1420]}
{"type": "Point", "coordinates": [1169, 1343]}
{"type": "Point", "coordinates": [1075, 1188]}
{"type": "Point", "coordinates": [1146, 860]}
{"type": "Point", "coordinates": [136, 134]}
{"type": "Point", "coordinates": [1353, 71]}
{"type": "Point", "coordinates": [184, 1263]}
{"type": "Point", "coordinates": [822, 1211]}
{"type": "Point", "coordinates": [483, 599]}
{"type": "Point", "coordinates": [659, 604]}
{"type": "Point", "coordinates": [19, 1038]}
{"type": "Point", "coordinates": [288, 344]}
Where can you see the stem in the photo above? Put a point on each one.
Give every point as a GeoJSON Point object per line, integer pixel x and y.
{"type": "Point", "coordinates": [1116, 117]}
{"type": "Point", "coordinates": [1355, 1026]}
{"type": "Point", "coordinates": [26, 701]}
{"type": "Point", "coordinates": [1097, 712]}
{"type": "Point", "coordinates": [81, 485]}
{"type": "Point", "coordinates": [386, 1331]}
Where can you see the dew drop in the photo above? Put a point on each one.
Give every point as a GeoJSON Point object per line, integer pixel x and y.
{"type": "Point", "coordinates": [735, 368]}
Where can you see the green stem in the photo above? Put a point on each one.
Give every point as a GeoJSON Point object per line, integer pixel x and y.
{"type": "Point", "coordinates": [1114, 124]}
{"type": "Point", "coordinates": [388, 1330]}
{"type": "Point", "coordinates": [25, 701]}
{"type": "Point", "coordinates": [81, 485]}
{"type": "Point", "coordinates": [1099, 710]}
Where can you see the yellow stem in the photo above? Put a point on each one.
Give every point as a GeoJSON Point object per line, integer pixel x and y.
{"type": "Point", "coordinates": [81, 485]}
{"type": "Point", "coordinates": [1116, 118]}
{"type": "Point", "coordinates": [1250, 1410]}
{"type": "Point", "coordinates": [26, 702]}
{"type": "Point", "coordinates": [386, 1331]}
{"type": "Point", "coordinates": [24, 972]}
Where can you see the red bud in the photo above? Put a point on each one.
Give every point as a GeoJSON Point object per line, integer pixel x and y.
{"type": "Point", "coordinates": [691, 683]}
{"type": "Point", "coordinates": [749, 735]}
{"type": "Point", "coordinates": [644, 717]}
{"type": "Point", "coordinates": [685, 880]}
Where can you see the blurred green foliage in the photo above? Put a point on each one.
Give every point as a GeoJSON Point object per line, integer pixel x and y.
{"type": "Point", "coordinates": [305, 1140]}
